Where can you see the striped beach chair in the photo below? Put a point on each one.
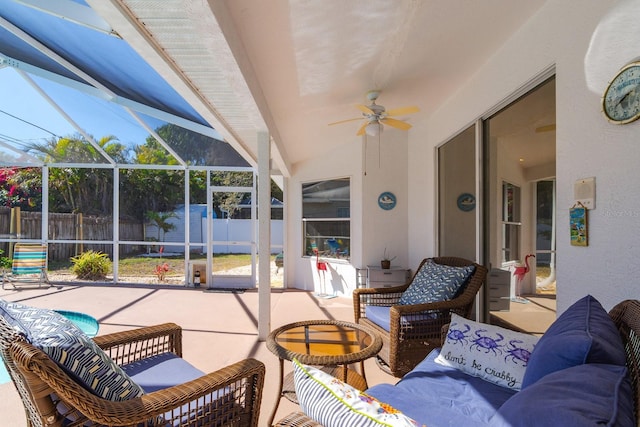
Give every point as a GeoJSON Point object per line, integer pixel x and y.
{"type": "Point", "coordinates": [29, 266]}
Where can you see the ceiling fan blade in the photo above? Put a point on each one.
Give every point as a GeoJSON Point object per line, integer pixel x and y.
{"type": "Point", "coordinates": [361, 130]}
{"type": "Point", "coordinates": [365, 109]}
{"type": "Point", "coordinates": [402, 111]}
{"type": "Point", "coordinates": [547, 128]}
{"type": "Point", "coordinates": [345, 121]}
{"type": "Point", "coordinates": [398, 124]}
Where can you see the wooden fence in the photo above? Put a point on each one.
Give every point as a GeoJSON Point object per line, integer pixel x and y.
{"type": "Point", "coordinates": [69, 226]}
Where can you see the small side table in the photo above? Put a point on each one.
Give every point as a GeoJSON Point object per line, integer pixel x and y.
{"type": "Point", "coordinates": [332, 344]}
{"type": "Point", "coordinates": [386, 277]}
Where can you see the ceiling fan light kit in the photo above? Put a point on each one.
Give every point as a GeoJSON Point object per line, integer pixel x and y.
{"type": "Point", "coordinates": [373, 128]}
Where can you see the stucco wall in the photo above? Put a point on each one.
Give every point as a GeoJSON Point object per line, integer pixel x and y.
{"type": "Point", "coordinates": [386, 170]}
{"type": "Point", "coordinates": [301, 271]}
{"type": "Point", "coordinates": [372, 229]}
{"type": "Point", "coordinates": [586, 49]}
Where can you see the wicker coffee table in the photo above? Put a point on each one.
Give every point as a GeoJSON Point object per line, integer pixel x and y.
{"type": "Point", "coordinates": [332, 344]}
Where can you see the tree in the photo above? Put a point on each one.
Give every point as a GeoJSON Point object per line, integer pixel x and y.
{"type": "Point", "coordinates": [90, 190]}
{"type": "Point", "coordinates": [144, 190]}
{"type": "Point", "coordinates": [197, 149]}
{"type": "Point", "coordinates": [80, 189]}
{"type": "Point", "coordinates": [161, 221]}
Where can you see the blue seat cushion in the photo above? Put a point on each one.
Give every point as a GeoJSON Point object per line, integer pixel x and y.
{"type": "Point", "coordinates": [162, 371]}
{"type": "Point", "coordinates": [381, 316]}
{"type": "Point", "coordinates": [583, 395]}
{"type": "Point", "coordinates": [584, 333]}
{"type": "Point", "coordinates": [167, 370]}
{"type": "Point", "coordinates": [437, 395]}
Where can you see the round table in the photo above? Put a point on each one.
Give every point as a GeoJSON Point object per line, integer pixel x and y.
{"type": "Point", "coordinates": [332, 344]}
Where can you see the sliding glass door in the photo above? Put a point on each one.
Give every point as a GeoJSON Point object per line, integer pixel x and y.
{"type": "Point", "coordinates": [457, 198]}
{"type": "Point", "coordinates": [496, 197]}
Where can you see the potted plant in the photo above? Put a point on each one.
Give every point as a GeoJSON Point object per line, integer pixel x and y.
{"type": "Point", "coordinates": [385, 263]}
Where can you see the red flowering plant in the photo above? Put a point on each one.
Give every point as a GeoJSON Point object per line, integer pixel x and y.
{"type": "Point", "coordinates": [161, 271]}
{"type": "Point", "coordinates": [21, 187]}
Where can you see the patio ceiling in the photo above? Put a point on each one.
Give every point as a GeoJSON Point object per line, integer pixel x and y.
{"type": "Point", "coordinates": [294, 65]}
{"type": "Point", "coordinates": [287, 67]}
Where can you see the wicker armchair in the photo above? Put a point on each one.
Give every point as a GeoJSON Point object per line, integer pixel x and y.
{"type": "Point", "coordinates": [53, 398]}
{"type": "Point", "coordinates": [414, 330]}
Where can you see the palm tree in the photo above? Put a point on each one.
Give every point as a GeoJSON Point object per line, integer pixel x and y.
{"type": "Point", "coordinates": [81, 189]}
{"type": "Point", "coordinates": [160, 220]}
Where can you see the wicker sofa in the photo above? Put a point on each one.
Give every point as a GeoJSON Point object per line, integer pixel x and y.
{"type": "Point", "coordinates": [171, 391]}
{"type": "Point", "coordinates": [414, 330]}
{"type": "Point", "coordinates": [584, 371]}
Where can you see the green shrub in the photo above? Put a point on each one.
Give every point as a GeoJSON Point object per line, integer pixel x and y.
{"type": "Point", "coordinates": [5, 262]}
{"type": "Point", "coordinates": [91, 265]}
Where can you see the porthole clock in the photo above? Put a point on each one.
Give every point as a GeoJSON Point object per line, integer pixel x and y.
{"type": "Point", "coordinates": [387, 201]}
{"type": "Point", "coordinates": [466, 202]}
{"type": "Point", "coordinates": [621, 98]}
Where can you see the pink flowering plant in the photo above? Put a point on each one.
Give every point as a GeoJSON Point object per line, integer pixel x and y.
{"type": "Point", "coordinates": [161, 271]}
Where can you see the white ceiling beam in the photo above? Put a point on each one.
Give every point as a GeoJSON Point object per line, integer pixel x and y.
{"type": "Point", "coordinates": [98, 93]}
{"type": "Point", "coordinates": [139, 38]}
{"type": "Point", "coordinates": [22, 158]}
{"type": "Point", "coordinates": [67, 117]}
{"type": "Point", "coordinates": [72, 11]}
{"type": "Point", "coordinates": [158, 138]}
{"type": "Point", "coordinates": [53, 55]}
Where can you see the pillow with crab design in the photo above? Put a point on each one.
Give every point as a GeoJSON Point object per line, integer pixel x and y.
{"type": "Point", "coordinates": [495, 354]}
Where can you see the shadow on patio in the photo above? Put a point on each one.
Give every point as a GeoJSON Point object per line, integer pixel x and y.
{"type": "Point", "coordinates": [219, 328]}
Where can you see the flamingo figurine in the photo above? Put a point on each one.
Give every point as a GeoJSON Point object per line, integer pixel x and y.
{"type": "Point", "coordinates": [322, 267]}
{"type": "Point", "coordinates": [519, 273]}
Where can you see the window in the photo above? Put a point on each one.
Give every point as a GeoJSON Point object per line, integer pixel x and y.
{"type": "Point", "coordinates": [510, 222]}
{"type": "Point", "coordinates": [326, 218]}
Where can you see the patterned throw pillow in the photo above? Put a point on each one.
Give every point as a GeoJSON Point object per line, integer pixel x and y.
{"type": "Point", "coordinates": [333, 403]}
{"type": "Point", "coordinates": [495, 354]}
{"type": "Point", "coordinates": [435, 282]}
{"type": "Point", "coordinates": [70, 348]}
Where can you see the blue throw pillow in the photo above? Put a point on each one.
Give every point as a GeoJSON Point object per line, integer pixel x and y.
{"type": "Point", "coordinates": [70, 348]}
{"type": "Point", "coordinates": [584, 333]}
{"type": "Point", "coordinates": [584, 395]}
{"type": "Point", "coordinates": [435, 282]}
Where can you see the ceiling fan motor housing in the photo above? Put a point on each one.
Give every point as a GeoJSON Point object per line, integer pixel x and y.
{"type": "Point", "coordinates": [377, 109]}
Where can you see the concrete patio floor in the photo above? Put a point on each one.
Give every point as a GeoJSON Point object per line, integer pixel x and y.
{"type": "Point", "coordinates": [218, 328]}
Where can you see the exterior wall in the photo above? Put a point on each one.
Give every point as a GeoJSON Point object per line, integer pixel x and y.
{"type": "Point", "coordinates": [386, 169]}
{"type": "Point", "coordinates": [587, 44]}
{"type": "Point", "coordinates": [301, 271]}
{"type": "Point", "coordinates": [372, 228]}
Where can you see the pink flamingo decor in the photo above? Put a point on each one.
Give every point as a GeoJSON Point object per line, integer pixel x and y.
{"type": "Point", "coordinates": [519, 273]}
{"type": "Point", "coordinates": [321, 266]}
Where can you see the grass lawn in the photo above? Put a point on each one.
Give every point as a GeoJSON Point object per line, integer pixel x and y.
{"type": "Point", "coordinates": [135, 266]}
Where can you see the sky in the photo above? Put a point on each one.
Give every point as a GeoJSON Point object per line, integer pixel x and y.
{"type": "Point", "coordinates": [26, 117]}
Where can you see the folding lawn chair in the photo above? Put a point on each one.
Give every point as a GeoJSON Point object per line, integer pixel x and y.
{"type": "Point", "coordinates": [29, 266]}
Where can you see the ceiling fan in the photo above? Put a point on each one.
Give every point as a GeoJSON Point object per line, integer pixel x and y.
{"type": "Point", "coordinates": [375, 116]}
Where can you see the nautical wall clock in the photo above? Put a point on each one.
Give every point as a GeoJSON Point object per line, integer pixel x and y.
{"type": "Point", "coordinates": [621, 99]}
{"type": "Point", "coordinates": [466, 202]}
{"type": "Point", "coordinates": [387, 201]}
